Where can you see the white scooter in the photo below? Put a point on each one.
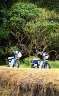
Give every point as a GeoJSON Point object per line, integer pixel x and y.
{"type": "Point", "coordinates": [13, 61]}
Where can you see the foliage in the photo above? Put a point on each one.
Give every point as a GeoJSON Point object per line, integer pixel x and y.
{"type": "Point", "coordinates": [3, 24]}
{"type": "Point", "coordinates": [19, 15]}
{"type": "Point", "coordinates": [24, 11]}
{"type": "Point", "coordinates": [26, 24]}
{"type": "Point", "coordinates": [32, 20]}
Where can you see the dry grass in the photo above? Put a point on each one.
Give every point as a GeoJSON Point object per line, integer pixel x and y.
{"type": "Point", "coordinates": [29, 82]}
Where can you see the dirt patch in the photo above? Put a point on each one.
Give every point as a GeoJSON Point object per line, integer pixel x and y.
{"type": "Point", "coordinates": [29, 82]}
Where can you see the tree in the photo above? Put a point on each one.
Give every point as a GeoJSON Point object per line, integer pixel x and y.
{"type": "Point", "coordinates": [19, 15]}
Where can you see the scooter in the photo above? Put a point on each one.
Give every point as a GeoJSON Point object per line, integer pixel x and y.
{"type": "Point", "coordinates": [40, 63]}
{"type": "Point", "coordinates": [12, 62]}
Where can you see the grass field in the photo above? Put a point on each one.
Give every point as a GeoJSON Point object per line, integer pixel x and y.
{"type": "Point", "coordinates": [26, 63]}
{"type": "Point", "coordinates": [29, 82]}
{"type": "Point", "coordinates": [53, 64]}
